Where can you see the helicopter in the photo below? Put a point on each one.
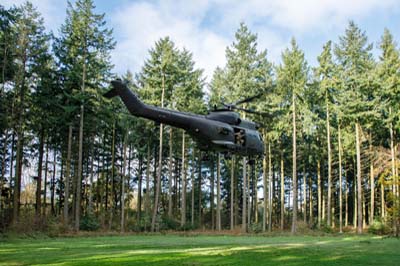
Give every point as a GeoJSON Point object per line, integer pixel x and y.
{"type": "Point", "coordinates": [221, 130]}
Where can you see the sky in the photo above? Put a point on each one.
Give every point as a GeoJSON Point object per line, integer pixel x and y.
{"type": "Point", "coordinates": [207, 27]}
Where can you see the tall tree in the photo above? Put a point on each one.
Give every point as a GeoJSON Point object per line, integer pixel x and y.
{"type": "Point", "coordinates": [247, 73]}
{"type": "Point", "coordinates": [388, 94]}
{"type": "Point", "coordinates": [83, 52]}
{"type": "Point", "coordinates": [355, 58]}
{"type": "Point", "coordinates": [292, 76]}
{"type": "Point", "coordinates": [30, 47]}
{"type": "Point", "coordinates": [325, 77]}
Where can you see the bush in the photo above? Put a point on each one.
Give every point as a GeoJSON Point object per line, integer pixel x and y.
{"type": "Point", "coordinates": [255, 228]}
{"type": "Point", "coordinates": [188, 227]}
{"type": "Point", "coordinates": [379, 228]}
{"type": "Point", "coordinates": [89, 223]}
{"type": "Point", "coordinates": [325, 228]}
{"type": "Point", "coordinates": [168, 223]}
{"type": "Point", "coordinates": [139, 225]}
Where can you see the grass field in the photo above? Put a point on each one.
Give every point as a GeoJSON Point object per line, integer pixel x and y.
{"type": "Point", "coordinates": [201, 250]}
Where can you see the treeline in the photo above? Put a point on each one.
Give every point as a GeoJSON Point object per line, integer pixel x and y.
{"type": "Point", "coordinates": [72, 159]}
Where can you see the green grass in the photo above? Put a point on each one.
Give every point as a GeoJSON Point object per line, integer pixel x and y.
{"type": "Point", "coordinates": [201, 250]}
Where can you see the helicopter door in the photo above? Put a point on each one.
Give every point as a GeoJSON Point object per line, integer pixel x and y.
{"type": "Point", "coordinates": [240, 136]}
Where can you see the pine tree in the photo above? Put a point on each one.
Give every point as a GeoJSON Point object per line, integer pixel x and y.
{"type": "Point", "coordinates": [355, 58]}
{"type": "Point", "coordinates": [7, 68]}
{"type": "Point", "coordinates": [326, 80]}
{"type": "Point", "coordinates": [292, 76]}
{"type": "Point", "coordinates": [246, 74]}
{"type": "Point", "coordinates": [388, 94]}
{"type": "Point", "coordinates": [83, 52]}
{"type": "Point", "coordinates": [30, 48]}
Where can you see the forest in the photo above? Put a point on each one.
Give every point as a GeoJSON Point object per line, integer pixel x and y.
{"type": "Point", "coordinates": [73, 160]}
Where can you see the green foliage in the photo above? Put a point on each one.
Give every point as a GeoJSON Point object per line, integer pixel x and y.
{"type": "Point", "coordinates": [325, 227]}
{"type": "Point", "coordinates": [379, 227]}
{"type": "Point", "coordinates": [141, 225]}
{"type": "Point", "coordinates": [255, 228]}
{"type": "Point", "coordinates": [169, 224]}
{"type": "Point", "coordinates": [189, 227]}
{"type": "Point", "coordinates": [247, 70]}
{"type": "Point", "coordinates": [354, 55]}
{"type": "Point", "coordinates": [89, 223]}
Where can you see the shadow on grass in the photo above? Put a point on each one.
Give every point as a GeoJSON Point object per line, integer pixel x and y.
{"type": "Point", "coordinates": [167, 250]}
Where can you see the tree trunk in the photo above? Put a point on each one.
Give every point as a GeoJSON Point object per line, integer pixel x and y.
{"type": "Point", "coordinates": [3, 168]}
{"type": "Point", "coordinates": [45, 178]}
{"type": "Point", "coordinates": [183, 204]}
{"type": "Point", "coordinates": [212, 196]}
{"type": "Point", "coordinates": [107, 179]}
{"type": "Point", "coordinates": [170, 175]}
{"type": "Point", "coordinates": [269, 187]}
{"type": "Point", "coordinates": [158, 181]}
{"type": "Point", "coordinates": [20, 132]}
{"type": "Point", "coordinates": [383, 201]}
{"type": "Point", "coordinates": [192, 194]}
{"type": "Point", "coordinates": [359, 184]}
{"type": "Point", "coordinates": [147, 196]}
{"type": "Point", "coordinates": [346, 198]}
{"type": "Point", "coordinates": [249, 197]}
{"type": "Point", "coordinates": [112, 203]}
{"type": "Point", "coordinates": [340, 182]}
{"type": "Point", "coordinates": [304, 196]}
{"type": "Point", "coordinates": [199, 184]}
{"type": "Point", "coordinates": [363, 210]}
{"type": "Point", "coordinates": [128, 175]}
{"type": "Point", "coordinates": [18, 174]}
{"type": "Point", "coordinates": [67, 175]}
{"type": "Point", "coordinates": [236, 198]}
{"type": "Point", "coordinates": [90, 194]}
{"type": "Point", "coordinates": [61, 180]}
{"type": "Point", "coordinates": [372, 181]}
{"type": "Point", "coordinates": [355, 198]}
{"type": "Point", "coordinates": [39, 176]}
{"type": "Point", "coordinates": [79, 175]}
{"type": "Point", "coordinates": [80, 151]}
{"type": "Point", "coordinates": [311, 204]}
{"type": "Point", "coordinates": [219, 192]}
{"type": "Point", "coordinates": [392, 153]}
{"type": "Point", "coordinates": [265, 190]}
{"type": "Point", "coordinates": [139, 201]}
{"type": "Point", "coordinates": [244, 203]}
{"type": "Point", "coordinates": [328, 137]}
{"type": "Point", "coordinates": [255, 197]}
{"type": "Point", "coordinates": [319, 184]}
{"type": "Point", "coordinates": [123, 183]}
{"type": "Point", "coordinates": [53, 182]}
{"type": "Point", "coordinates": [232, 192]}
{"type": "Point", "coordinates": [294, 168]}
{"type": "Point", "coordinates": [282, 192]}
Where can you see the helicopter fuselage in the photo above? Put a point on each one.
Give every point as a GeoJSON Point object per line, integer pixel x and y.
{"type": "Point", "coordinates": [222, 131]}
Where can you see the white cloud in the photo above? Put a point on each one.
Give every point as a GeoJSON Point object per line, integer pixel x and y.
{"type": "Point", "coordinates": [53, 11]}
{"type": "Point", "coordinates": [207, 27]}
{"type": "Point", "coordinates": [139, 25]}
{"type": "Point", "coordinates": [303, 15]}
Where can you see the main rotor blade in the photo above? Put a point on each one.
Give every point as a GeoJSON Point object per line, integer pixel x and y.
{"type": "Point", "coordinates": [252, 111]}
{"type": "Point", "coordinates": [249, 99]}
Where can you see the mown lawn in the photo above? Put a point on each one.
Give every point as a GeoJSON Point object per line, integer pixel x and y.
{"type": "Point", "coordinates": [201, 250]}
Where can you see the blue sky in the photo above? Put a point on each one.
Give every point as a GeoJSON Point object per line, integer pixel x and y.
{"type": "Point", "coordinates": [207, 27]}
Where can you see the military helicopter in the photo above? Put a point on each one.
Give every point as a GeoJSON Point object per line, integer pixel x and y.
{"type": "Point", "coordinates": [221, 130]}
